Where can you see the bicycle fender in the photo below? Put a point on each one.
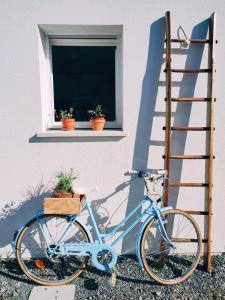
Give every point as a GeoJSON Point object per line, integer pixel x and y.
{"type": "Point", "coordinates": [39, 214]}
{"type": "Point", "coordinates": [86, 229]}
{"type": "Point", "coordinates": [141, 230]}
{"type": "Point", "coordinates": [18, 232]}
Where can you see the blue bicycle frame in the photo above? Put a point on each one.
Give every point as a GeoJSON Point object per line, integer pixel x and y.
{"type": "Point", "coordinates": [92, 248]}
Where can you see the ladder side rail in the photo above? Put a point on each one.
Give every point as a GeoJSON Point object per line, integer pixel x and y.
{"type": "Point", "coordinates": [168, 106]}
{"type": "Point", "coordinates": [212, 25]}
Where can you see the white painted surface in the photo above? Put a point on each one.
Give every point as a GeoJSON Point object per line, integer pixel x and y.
{"type": "Point", "coordinates": [46, 64]}
{"type": "Point", "coordinates": [52, 292]}
{"type": "Point", "coordinates": [28, 162]}
{"type": "Point", "coordinates": [81, 133]}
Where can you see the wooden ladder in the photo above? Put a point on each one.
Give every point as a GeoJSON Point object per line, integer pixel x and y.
{"type": "Point", "coordinates": [210, 127]}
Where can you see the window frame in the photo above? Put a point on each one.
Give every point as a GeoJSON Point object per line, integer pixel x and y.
{"type": "Point", "coordinates": [86, 41]}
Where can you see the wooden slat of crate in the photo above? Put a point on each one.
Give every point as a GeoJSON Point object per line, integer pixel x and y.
{"type": "Point", "coordinates": [63, 205]}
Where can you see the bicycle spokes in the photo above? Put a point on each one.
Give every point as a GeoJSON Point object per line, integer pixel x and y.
{"type": "Point", "coordinates": [165, 263]}
{"type": "Point", "coordinates": [38, 252]}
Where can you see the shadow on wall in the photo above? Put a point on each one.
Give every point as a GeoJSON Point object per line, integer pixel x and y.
{"type": "Point", "coordinates": [145, 120]}
{"type": "Point", "coordinates": [13, 217]}
{"type": "Point", "coordinates": [142, 141]}
{"type": "Point", "coordinates": [101, 214]}
{"type": "Point", "coordinates": [147, 112]}
{"type": "Point", "coordinates": [183, 110]}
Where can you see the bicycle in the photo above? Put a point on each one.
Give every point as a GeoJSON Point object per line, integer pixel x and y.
{"type": "Point", "coordinates": [55, 249]}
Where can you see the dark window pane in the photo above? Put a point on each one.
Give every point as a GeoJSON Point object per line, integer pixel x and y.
{"type": "Point", "coordinates": [83, 77]}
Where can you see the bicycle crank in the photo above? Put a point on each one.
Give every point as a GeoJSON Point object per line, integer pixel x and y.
{"type": "Point", "coordinates": [104, 257]}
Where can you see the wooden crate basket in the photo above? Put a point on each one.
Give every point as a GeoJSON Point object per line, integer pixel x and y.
{"type": "Point", "coordinates": [63, 206]}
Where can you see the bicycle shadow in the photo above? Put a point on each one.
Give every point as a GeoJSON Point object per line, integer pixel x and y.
{"type": "Point", "coordinates": [14, 215]}
{"type": "Point", "coordinates": [11, 269]}
{"type": "Point", "coordinates": [102, 215]}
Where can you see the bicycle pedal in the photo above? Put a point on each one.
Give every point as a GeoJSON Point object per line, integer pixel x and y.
{"type": "Point", "coordinates": [113, 279]}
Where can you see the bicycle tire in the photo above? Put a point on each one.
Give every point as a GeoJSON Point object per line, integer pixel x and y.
{"type": "Point", "coordinates": [33, 274]}
{"type": "Point", "coordinates": [155, 262]}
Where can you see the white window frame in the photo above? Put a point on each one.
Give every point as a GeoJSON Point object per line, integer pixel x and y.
{"type": "Point", "coordinates": [86, 41]}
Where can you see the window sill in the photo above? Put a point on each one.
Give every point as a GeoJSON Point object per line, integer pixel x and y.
{"type": "Point", "coordinates": [53, 133]}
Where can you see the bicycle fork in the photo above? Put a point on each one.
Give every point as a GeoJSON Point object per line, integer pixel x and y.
{"type": "Point", "coordinates": [161, 227]}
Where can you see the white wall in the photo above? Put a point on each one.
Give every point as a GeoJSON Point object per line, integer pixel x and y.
{"type": "Point", "coordinates": [26, 162]}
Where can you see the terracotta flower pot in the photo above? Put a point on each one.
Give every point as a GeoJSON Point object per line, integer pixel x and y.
{"type": "Point", "coordinates": [97, 124]}
{"type": "Point", "coordinates": [68, 124]}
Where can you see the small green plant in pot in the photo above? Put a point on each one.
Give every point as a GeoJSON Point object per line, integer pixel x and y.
{"type": "Point", "coordinates": [97, 118]}
{"type": "Point", "coordinates": [67, 119]}
{"type": "Point", "coordinates": [64, 183]}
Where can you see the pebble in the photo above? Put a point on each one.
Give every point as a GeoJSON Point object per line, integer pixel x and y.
{"type": "Point", "coordinates": [131, 284]}
{"type": "Point", "coordinates": [15, 296]}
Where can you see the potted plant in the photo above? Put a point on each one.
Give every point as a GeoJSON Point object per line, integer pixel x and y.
{"type": "Point", "coordinates": [64, 183]}
{"type": "Point", "coordinates": [67, 119]}
{"type": "Point", "coordinates": [63, 201]}
{"type": "Point", "coordinates": [97, 118]}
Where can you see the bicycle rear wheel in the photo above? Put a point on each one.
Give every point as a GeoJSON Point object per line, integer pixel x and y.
{"type": "Point", "coordinates": [163, 263]}
{"type": "Point", "coordinates": [33, 256]}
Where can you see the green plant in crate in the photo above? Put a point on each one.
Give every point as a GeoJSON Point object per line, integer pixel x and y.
{"type": "Point", "coordinates": [64, 183]}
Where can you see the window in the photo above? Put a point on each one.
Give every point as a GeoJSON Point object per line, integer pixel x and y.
{"type": "Point", "coordinates": [85, 72]}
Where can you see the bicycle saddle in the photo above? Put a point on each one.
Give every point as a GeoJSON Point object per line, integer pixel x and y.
{"type": "Point", "coordinates": [83, 190]}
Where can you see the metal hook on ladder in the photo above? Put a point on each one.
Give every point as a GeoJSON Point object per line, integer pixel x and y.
{"type": "Point", "coordinates": [186, 42]}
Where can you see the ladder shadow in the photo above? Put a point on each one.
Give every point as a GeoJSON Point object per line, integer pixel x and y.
{"type": "Point", "coordinates": [147, 112]}
{"type": "Point", "coordinates": [183, 110]}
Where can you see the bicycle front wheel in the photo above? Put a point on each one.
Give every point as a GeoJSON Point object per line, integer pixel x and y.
{"type": "Point", "coordinates": [33, 253]}
{"type": "Point", "coordinates": [163, 263]}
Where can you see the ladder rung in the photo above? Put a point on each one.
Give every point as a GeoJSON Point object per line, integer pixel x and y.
{"type": "Point", "coordinates": [196, 212]}
{"type": "Point", "coordinates": [191, 40]}
{"type": "Point", "coordinates": [191, 70]}
{"type": "Point", "coordinates": [189, 156]}
{"type": "Point", "coordinates": [179, 128]}
{"type": "Point", "coordinates": [189, 184]}
{"type": "Point", "coordinates": [192, 99]}
{"type": "Point", "coordinates": [183, 240]}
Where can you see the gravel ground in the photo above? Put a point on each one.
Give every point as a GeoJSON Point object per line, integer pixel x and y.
{"type": "Point", "coordinates": [131, 283]}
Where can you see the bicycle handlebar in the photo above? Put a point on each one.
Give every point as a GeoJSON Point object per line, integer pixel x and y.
{"type": "Point", "coordinates": [151, 176]}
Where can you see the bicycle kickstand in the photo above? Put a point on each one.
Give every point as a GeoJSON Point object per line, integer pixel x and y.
{"type": "Point", "coordinates": [112, 279]}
